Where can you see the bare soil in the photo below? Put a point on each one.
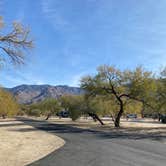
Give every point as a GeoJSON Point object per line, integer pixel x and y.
{"type": "Point", "coordinates": [22, 144]}
{"type": "Point", "coordinates": [145, 127]}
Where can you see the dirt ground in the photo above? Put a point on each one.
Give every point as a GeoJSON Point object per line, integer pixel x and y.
{"type": "Point", "coordinates": [22, 144]}
{"type": "Point", "coordinates": [89, 123]}
{"type": "Point", "coordinates": [145, 127]}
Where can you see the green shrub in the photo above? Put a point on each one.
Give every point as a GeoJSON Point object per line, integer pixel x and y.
{"type": "Point", "coordinates": [74, 114]}
{"type": "Point", "coordinates": [33, 112]}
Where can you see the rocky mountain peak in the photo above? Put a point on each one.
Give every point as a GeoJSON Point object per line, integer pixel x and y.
{"type": "Point", "coordinates": [27, 94]}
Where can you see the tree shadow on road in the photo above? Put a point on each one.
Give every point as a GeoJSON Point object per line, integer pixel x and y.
{"type": "Point", "coordinates": [62, 129]}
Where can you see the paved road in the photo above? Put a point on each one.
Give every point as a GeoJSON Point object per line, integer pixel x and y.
{"type": "Point", "coordinates": [91, 148]}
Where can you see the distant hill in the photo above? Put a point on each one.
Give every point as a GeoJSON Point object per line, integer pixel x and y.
{"type": "Point", "coordinates": [27, 94]}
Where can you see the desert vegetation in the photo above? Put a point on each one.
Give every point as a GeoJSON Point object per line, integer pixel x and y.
{"type": "Point", "coordinates": [14, 42]}
{"type": "Point", "coordinates": [8, 105]}
{"type": "Point", "coordinates": [111, 92]}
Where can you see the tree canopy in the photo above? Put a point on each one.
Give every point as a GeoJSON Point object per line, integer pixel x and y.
{"type": "Point", "coordinates": [8, 105]}
{"type": "Point", "coordinates": [120, 86]}
{"type": "Point", "coordinates": [47, 107]}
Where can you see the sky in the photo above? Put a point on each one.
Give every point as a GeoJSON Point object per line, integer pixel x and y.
{"type": "Point", "coordinates": [73, 37]}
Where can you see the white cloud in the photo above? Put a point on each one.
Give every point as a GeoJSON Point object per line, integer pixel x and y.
{"type": "Point", "coordinates": [75, 80]}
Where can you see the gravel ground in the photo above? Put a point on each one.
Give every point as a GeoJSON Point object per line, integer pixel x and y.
{"type": "Point", "coordinates": [22, 144]}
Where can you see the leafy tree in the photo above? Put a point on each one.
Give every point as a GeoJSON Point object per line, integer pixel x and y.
{"type": "Point", "coordinates": [14, 43]}
{"type": "Point", "coordinates": [65, 101]}
{"type": "Point", "coordinates": [8, 105]}
{"type": "Point", "coordinates": [23, 109]}
{"type": "Point", "coordinates": [120, 86]}
{"type": "Point", "coordinates": [78, 105]}
{"type": "Point", "coordinates": [72, 104]}
{"type": "Point", "coordinates": [160, 98]}
{"type": "Point", "coordinates": [133, 106]}
{"type": "Point", "coordinates": [157, 97]}
{"type": "Point", "coordinates": [32, 109]}
{"type": "Point", "coordinates": [49, 107]}
{"type": "Point", "coordinates": [33, 112]}
{"type": "Point", "coordinates": [92, 108]}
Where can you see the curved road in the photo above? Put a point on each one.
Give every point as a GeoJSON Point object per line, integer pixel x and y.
{"type": "Point", "coordinates": [95, 148]}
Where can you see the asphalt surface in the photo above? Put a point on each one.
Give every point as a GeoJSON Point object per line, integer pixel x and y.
{"type": "Point", "coordinates": [95, 148]}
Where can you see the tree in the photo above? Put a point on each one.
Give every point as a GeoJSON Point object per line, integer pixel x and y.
{"type": "Point", "coordinates": [78, 105]}
{"type": "Point", "coordinates": [32, 109]}
{"type": "Point", "coordinates": [12, 46]}
{"type": "Point", "coordinates": [133, 107]}
{"type": "Point", "coordinates": [160, 98]}
{"type": "Point", "coordinates": [14, 43]}
{"type": "Point", "coordinates": [8, 105]}
{"type": "Point", "coordinates": [93, 108]}
{"type": "Point", "coordinates": [49, 107]}
{"type": "Point", "coordinates": [142, 87]}
{"type": "Point", "coordinates": [72, 104]}
{"type": "Point", "coordinates": [120, 86]}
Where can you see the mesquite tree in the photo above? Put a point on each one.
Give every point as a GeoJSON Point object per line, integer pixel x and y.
{"type": "Point", "coordinates": [49, 107]}
{"type": "Point", "coordinates": [78, 105]}
{"type": "Point", "coordinates": [119, 85]}
{"type": "Point", "coordinates": [160, 98]}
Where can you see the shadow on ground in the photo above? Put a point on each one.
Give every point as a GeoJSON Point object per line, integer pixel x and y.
{"type": "Point", "coordinates": [112, 134]}
{"type": "Point", "coordinates": [11, 124]}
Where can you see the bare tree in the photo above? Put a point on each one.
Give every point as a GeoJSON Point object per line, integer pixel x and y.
{"type": "Point", "coordinates": [14, 43]}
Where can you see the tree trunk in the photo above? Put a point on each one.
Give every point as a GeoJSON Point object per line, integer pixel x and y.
{"type": "Point", "coordinates": [159, 117]}
{"type": "Point", "coordinates": [142, 111]}
{"type": "Point", "coordinates": [101, 122]}
{"type": "Point", "coordinates": [117, 120]}
{"type": "Point", "coordinates": [96, 118]}
{"type": "Point", "coordinates": [112, 117]}
{"type": "Point", "coordinates": [48, 116]}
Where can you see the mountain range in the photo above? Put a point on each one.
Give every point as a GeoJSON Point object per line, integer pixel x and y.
{"type": "Point", "coordinates": [27, 94]}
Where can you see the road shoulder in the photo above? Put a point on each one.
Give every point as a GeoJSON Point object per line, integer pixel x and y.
{"type": "Point", "coordinates": [22, 144]}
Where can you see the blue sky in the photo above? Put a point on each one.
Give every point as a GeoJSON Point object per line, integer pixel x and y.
{"type": "Point", "coordinates": [73, 37]}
